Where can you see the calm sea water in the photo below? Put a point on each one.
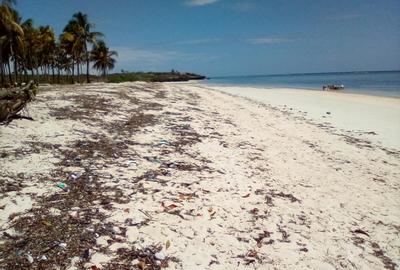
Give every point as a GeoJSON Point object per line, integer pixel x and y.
{"type": "Point", "coordinates": [381, 83]}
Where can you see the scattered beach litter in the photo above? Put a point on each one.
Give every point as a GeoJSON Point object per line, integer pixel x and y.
{"type": "Point", "coordinates": [42, 258]}
{"type": "Point", "coordinates": [29, 258]}
{"type": "Point", "coordinates": [162, 143]}
{"type": "Point", "coordinates": [62, 186]}
{"type": "Point", "coordinates": [74, 176]}
{"type": "Point", "coordinates": [160, 256]}
{"type": "Point", "coordinates": [154, 160]}
{"type": "Point", "coordinates": [133, 214]}
{"type": "Point", "coordinates": [86, 254]}
{"type": "Point", "coordinates": [131, 162]}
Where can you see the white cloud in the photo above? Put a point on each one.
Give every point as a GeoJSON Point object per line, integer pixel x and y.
{"type": "Point", "coordinates": [267, 41]}
{"type": "Point", "coordinates": [152, 57]}
{"type": "Point", "coordinates": [131, 58]}
{"type": "Point", "coordinates": [200, 2]}
{"type": "Point", "coordinates": [156, 58]}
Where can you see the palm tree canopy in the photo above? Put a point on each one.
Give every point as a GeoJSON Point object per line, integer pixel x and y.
{"type": "Point", "coordinates": [9, 21]}
{"type": "Point", "coordinates": [9, 2]}
{"type": "Point", "coordinates": [81, 30]}
{"type": "Point", "coordinates": [102, 57]}
{"type": "Point", "coordinates": [11, 32]}
{"type": "Point", "coordinates": [80, 26]}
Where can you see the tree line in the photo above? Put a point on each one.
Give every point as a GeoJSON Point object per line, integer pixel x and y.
{"type": "Point", "coordinates": [35, 52]}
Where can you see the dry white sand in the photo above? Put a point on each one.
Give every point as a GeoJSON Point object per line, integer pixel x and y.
{"type": "Point", "coordinates": [236, 184]}
{"type": "Point", "coordinates": [362, 114]}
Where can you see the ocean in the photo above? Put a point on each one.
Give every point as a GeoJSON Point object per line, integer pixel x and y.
{"type": "Point", "coordinates": [380, 83]}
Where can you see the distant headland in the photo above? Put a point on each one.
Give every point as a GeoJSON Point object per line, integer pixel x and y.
{"type": "Point", "coordinates": [172, 76]}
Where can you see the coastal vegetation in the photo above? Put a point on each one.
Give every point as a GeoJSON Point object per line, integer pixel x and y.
{"type": "Point", "coordinates": [30, 52]}
{"type": "Point", "coordinates": [35, 52]}
{"type": "Point", "coordinates": [172, 76]}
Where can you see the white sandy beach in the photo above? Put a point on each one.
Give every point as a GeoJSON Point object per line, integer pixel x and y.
{"type": "Point", "coordinates": [214, 181]}
{"type": "Point", "coordinates": [375, 118]}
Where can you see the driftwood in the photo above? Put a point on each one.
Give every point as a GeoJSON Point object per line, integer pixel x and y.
{"type": "Point", "coordinates": [14, 100]}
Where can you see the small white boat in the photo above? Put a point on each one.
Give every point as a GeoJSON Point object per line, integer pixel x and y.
{"type": "Point", "coordinates": [333, 87]}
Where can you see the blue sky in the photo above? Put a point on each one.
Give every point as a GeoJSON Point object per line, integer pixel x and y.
{"type": "Point", "coordinates": [238, 37]}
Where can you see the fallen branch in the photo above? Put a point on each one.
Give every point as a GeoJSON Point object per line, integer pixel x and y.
{"type": "Point", "coordinates": [13, 101]}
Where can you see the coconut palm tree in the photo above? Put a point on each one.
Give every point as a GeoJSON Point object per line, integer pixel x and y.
{"type": "Point", "coordinates": [37, 50]}
{"type": "Point", "coordinates": [71, 47]}
{"type": "Point", "coordinates": [74, 44]}
{"type": "Point", "coordinates": [32, 47]}
{"type": "Point", "coordinates": [11, 38]}
{"type": "Point", "coordinates": [103, 57]}
{"type": "Point", "coordinates": [29, 32]}
{"type": "Point", "coordinates": [47, 49]}
{"type": "Point", "coordinates": [82, 29]}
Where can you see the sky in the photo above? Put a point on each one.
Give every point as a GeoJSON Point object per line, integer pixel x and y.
{"type": "Point", "coordinates": [238, 37]}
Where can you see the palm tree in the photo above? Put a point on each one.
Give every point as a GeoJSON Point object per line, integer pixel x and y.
{"type": "Point", "coordinates": [70, 44]}
{"type": "Point", "coordinates": [36, 49]}
{"type": "Point", "coordinates": [5, 24]}
{"type": "Point", "coordinates": [32, 47]}
{"type": "Point", "coordinates": [47, 41]}
{"type": "Point", "coordinates": [11, 38]}
{"type": "Point", "coordinates": [103, 57]}
{"type": "Point", "coordinates": [82, 29]}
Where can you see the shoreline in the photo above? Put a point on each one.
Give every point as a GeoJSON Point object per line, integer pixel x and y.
{"type": "Point", "coordinates": [375, 116]}
{"type": "Point", "coordinates": [372, 93]}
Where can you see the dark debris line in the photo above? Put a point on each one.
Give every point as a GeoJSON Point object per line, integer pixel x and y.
{"type": "Point", "coordinates": [63, 225]}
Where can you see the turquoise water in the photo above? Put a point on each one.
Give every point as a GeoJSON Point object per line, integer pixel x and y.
{"type": "Point", "coordinates": [381, 83]}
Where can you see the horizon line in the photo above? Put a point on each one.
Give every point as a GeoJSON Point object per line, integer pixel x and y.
{"type": "Point", "coordinates": [303, 73]}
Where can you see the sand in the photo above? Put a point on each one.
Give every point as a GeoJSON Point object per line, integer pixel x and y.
{"type": "Point", "coordinates": [212, 180]}
{"type": "Point", "coordinates": [377, 118]}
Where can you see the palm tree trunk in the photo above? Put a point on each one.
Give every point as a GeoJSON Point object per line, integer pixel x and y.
{"type": "Point", "coordinates": [26, 75]}
{"type": "Point", "coordinates": [73, 70]}
{"type": "Point", "coordinates": [17, 76]}
{"type": "Point", "coordinates": [37, 74]}
{"type": "Point", "coordinates": [15, 70]}
{"type": "Point", "coordinates": [52, 75]}
{"type": "Point", "coordinates": [78, 72]}
{"type": "Point", "coordinates": [35, 68]}
{"type": "Point", "coordinates": [2, 74]}
{"type": "Point", "coordinates": [48, 73]}
{"type": "Point", "coordinates": [9, 71]}
{"type": "Point", "coordinates": [87, 64]}
{"type": "Point", "coordinates": [1, 71]}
